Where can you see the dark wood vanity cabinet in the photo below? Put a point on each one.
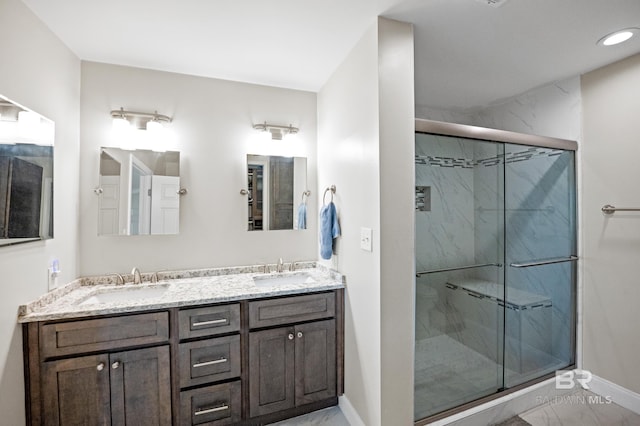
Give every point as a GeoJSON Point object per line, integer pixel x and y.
{"type": "Point", "coordinates": [131, 387]}
{"type": "Point", "coordinates": [243, 363]}
{"type": "Point", "coordinates": [210, 360]}
{"type": "Point", "coordinates": [292, 366]}
{"type": "Point", "coordinates": [80, 373]}
{"type": "Point", "coordinates": [295, 363]}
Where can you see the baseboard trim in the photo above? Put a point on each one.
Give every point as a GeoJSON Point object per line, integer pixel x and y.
{"type": "Point", "coordinates": [349, 412]}
{"type": "Point", "coordinates": [619, 395]}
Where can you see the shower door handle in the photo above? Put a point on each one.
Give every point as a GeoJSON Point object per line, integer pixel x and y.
{"type": "Point", "coordinates": [544, 262]}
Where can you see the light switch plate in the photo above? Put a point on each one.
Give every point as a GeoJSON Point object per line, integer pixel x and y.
{"type": "Point", "coordinates": [365, 239]}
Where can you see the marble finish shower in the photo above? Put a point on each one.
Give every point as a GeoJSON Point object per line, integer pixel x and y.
{"type": "Point", "coordinates": [495, 263]}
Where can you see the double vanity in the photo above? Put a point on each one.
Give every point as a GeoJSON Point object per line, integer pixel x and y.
{"type": "Point", "coordinates": [202, 347]}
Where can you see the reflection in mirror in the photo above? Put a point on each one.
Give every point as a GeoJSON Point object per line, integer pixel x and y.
{"type": "Point", "coordinates": [139, 192]}
{"type": "Point", "coordinates": [277, 192]}
{"type": "Point", "coordinates": [26, 174]}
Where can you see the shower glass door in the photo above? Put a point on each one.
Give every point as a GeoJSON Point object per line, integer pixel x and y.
{"type": "Point", "coordinates": [495, 265]}
{"type": "Point", "coordinates": [459, 258]}
{"type": "Point", "coordinates": [540, 263]}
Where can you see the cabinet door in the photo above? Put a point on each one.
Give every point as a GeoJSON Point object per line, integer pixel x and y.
{"type": "Point", "coordinates": [76, 391]}
{"type": "Point", "coordinates": [141, 387]}
{"type": "Point", "coordinates": [271, 380]}
{"type": "Point", "coordinates": [315, 361]}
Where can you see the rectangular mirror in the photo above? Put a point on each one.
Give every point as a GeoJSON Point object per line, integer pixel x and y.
{"type": "Point", "coordinates": [139, 192]}
{"type": "Point", "coordinates": [26, 174]}
{"type": "Point", "coordinates": [277, 192]}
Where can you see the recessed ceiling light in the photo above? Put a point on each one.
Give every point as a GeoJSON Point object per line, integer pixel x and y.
{"type": "Point", "coordinates": [618, 37]}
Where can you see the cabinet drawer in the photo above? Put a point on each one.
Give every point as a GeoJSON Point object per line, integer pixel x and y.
{"type": "Point", "coordinates": [213, 405]}
{"type": "Point", "coordinates": [211, 360]}
{"type": "Point", "coordinates": [102, 334]}
{"type": "Point", "coordinates": [209, 321]}
{"type": "Point", "coordinates": [287, 310]}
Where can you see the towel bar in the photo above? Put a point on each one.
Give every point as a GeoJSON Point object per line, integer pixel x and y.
{"type": "Point", "coordinates": [609, 209]}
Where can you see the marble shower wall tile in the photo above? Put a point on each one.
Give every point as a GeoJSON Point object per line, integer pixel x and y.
{"type": "Point", "coordinates": [444, 235]}
{"type": "Point", "coordinates": [551, 110]}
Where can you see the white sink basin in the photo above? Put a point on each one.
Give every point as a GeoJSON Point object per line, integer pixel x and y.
{"type": "Point", "coordinates": [293, 278]}
{"type": "Point", "coordinates": [120, 294]}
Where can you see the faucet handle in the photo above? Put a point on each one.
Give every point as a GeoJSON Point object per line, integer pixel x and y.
{"type": "Point", "coordinates": [119, 278]}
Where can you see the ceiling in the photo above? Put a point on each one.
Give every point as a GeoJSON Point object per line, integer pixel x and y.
{"type": "Point", "coordinates": [468, 53]}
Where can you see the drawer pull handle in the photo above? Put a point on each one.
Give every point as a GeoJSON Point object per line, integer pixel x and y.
{"type": "Point", "coordinates": [100, 366]}
{"type": "Point", "coordinates": [211, 410]}
{"type": "Point", "coordinates": [206, 363]}
{"type": "Point", "coordinates": [290, 336]}
{"type": "Point", "coordinates": [299, 334]}
{"type": "Point", "coordinates": [115, 365]}
{"type": "Point", "coordinates": [212, 322]}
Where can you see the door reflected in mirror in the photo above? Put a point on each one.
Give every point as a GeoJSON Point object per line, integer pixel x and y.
{"type": "Point", "coordinates": [277, 192]}
{"type": "Point", "coordinates": [26, 174]}
{"type": "Point", "coordinates": [139, 192]}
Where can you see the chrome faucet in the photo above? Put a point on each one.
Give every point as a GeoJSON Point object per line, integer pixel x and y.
{"type": "Point", "coordinates": [137, 278]}
{"type": "Point", "coordinates": [280, 266]}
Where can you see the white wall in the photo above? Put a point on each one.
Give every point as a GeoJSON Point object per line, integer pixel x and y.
{"type": "Point", "coordinates": [39, 72]}
{"type": "Point", "coordinates": [397, 219]}
{"type": "Point", "coordinates": [611, 244]}
{"type": "Point", "coordinates": [348, 157]}
{"type": "Point", "coordinates": [212, 123]}
{"type": "Point", "coordinates": [365, 113]}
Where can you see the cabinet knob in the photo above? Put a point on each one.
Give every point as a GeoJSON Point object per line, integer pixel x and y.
{"type": "Point", "coordinates": [290, 336]}
{"type": "Point", "coordinates": [100, 366]}
{"type": "Point", "coordinates": [299, 334]}
{"type": "Point", "coordinates": [115, 365]}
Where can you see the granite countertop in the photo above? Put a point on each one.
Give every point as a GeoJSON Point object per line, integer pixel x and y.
{"type": "Point", "coordinates": [175, 289]}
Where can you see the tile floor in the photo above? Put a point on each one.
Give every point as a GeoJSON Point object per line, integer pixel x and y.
{"type": "Point", "coordinates": [582, 408]}
{"type": "Point", "coordinates": [331, 416]}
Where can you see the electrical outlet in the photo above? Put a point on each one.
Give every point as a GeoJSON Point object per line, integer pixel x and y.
{"type": "Point", "coordinates": [365, 239]}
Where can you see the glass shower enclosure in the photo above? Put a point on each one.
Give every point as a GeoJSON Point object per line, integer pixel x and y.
{"type": "Point", "coordinates": [495, 263]}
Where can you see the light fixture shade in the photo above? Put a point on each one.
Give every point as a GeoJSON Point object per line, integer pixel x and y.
{"type": "Point", "coordinates": [120, 123]}
{"type": "Point", "coordinates": [154, 126]}
{"type": "Point", "coordinates": [265, 135]}
{"type": "Point", "coordinates": [28, 125]}
{"type": "Point", "coordinates": [291, 136]}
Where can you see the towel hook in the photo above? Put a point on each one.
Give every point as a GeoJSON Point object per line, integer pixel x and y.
{"type": "Point", "coordinates": [332, 188]}
{"type": "Point", "coordinates": [307, 193]}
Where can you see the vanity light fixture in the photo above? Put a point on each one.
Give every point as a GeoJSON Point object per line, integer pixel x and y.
{"type": "Point", "coordinates": [19, 125]}
{"type": "Point", "coordinates": [139, 120]}
{"type": "Point", "coordinates": [277, 132]}
{"type": "Point", "coordinates": [618, 37]}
